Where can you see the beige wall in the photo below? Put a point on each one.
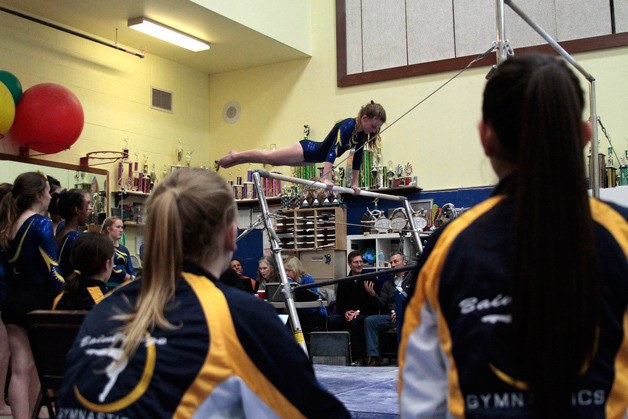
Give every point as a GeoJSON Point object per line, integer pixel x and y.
{"type": "Point", "coordinates": [114, 90]}
{"type": "Point", "coordinates": [438, 138]}
{"type": "Point", "coordinates": [287, 21]}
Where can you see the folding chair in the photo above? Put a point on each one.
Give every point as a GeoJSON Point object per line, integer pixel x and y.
{"type": "Point", "coordinates": [51, 334]}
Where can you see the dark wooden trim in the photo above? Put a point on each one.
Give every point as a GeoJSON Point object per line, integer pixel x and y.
{"type": "Point", "coordinates": [65, 166]}
{"type": "Point", "coordinates": [451, 64]}
{"type": "Point", "coordinates": [51, 163]}
{"type": "Point", "coordinates": [413, 70]}
{"type": "Point", "coordinates": [341, 41]}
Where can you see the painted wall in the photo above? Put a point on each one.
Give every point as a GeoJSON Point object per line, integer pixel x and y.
{"type": "Point", "coordinates": [287, 21]}
{"type": "Point", "coordinates": [439, 137]}
{"type": "Point", "coordinates": [114, 90]}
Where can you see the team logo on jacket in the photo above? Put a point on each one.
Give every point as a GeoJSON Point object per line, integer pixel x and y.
{"type": "Point", "coordinates": [115, 363]}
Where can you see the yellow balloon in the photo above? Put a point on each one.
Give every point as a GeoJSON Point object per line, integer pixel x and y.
{"type": "Point", "coordinates": [7, 109]}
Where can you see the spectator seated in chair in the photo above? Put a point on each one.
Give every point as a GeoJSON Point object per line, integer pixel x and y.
{"type": "Point", "coordinates": [355, 300]}
{"type": "Point", "coordinates": [92, 257]}
{"type": "Point", "coordinates": [375, 324]}
{"type": "Point", "coordinates": [311, 319]}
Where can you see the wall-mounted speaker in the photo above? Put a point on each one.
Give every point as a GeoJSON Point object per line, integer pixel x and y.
{"type": "Point", "coordinates": [231, 112]}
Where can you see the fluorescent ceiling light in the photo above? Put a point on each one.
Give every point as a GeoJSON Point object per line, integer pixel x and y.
{"type": "Point", "coordinates": [167, 34]}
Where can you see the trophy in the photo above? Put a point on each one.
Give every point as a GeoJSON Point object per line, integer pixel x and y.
{"type": "Point", "coordinates": [179, 153]}
{"type": "Point", "coordinates": [188, 157]}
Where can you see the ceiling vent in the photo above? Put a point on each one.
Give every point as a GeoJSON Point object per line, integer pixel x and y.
{"type": "Point", "coordinates": [161, 100]}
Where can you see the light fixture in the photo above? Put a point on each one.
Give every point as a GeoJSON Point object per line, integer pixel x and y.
{"type": "Point", "coordinates": [167, 34]}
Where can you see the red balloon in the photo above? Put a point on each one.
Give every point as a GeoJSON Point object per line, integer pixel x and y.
{"type": "Point", "coordinates": [49, 118]}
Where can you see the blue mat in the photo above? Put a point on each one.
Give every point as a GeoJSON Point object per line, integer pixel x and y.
{"type": "Point", "coordinates": [367, 392]}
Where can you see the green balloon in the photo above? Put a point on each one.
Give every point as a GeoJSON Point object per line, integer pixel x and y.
{"type": "Point", "coordinates": [13, 84]}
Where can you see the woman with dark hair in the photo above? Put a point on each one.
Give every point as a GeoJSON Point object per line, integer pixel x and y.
{"type": "Point", "coordinates": [53, 207]}
{"type": "Point", "coordinates": [180, 343]}
{"type": "Point", "coordinates": [239, 279]}
{"type": "Point", "coordinates": [75, 207]}
{"type": "Point", "coordinates": [521, 304]}
{"type": "Point", "coordinates": [33, 278]}
{"type": "Point", "coordinates": [92, 257]}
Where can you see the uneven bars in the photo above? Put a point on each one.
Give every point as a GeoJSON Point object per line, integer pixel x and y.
{"type": "Point", "coordinates": [321, 185]}
{"type": "Point", "coordinates": [595, 176]}
{"type": "Point", "coordinates": [275, 246]}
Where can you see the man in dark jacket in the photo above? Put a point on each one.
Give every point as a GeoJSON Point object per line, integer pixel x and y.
{"type": "Point", "coordinates": [355, 301]}
{"type": "Point", "coordinates": [388, 295]}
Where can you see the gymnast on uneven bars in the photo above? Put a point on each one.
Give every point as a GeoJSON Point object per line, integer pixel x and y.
{"type": "Point", "coordinates": [348, 134]}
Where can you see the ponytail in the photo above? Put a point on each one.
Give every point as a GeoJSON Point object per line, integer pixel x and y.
{"type": "Point", "coordinates": [8, 214]}
{"type": "Point", "coordinates": [187, 216]}
{"type": "Point", "coordinates": [537, 116]}
{"type": "Point", "coordinates": [163, 262]}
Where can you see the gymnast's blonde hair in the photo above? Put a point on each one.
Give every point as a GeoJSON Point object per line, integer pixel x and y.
{"type": "Point", "coordinates": [371, 110]}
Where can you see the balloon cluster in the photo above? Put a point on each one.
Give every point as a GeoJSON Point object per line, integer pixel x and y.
{"type": "Point", "coordinates": [46, 117]}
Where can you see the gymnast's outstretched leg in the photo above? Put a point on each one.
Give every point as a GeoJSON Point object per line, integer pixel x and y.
{"type": "Point", "coordinates": [287, 156]}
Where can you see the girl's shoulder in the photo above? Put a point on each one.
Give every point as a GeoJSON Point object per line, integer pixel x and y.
{"type": "Point", "coordinates": [122, 248]}
{"type": "Point", "coordinates": [38, 223]}
{"type": "Point", "coordinates": [71, 235]}
{"type": "Point", "coordinates": [307, 279]}
{"type": "Point", "coordinates": [348, 123]}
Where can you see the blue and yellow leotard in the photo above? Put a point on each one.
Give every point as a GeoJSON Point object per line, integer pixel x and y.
{"type": "Point", "coordinates": [340, 139]}
{"type": "Point", "coordinates": [33, 277]}
{"type": "Point", "coordinates": [121, 266]}
{"type": "Point", "coordinates": [65, 250]}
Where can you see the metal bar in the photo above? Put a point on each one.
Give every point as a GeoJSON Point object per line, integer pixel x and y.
{"type": "Point", "coordinates": [595, 176]}
{"type": "Point", "coordinates": [276, 249]}
{"type": "Point", "coordinates": [321, 185]}
{"type": "Point", "coordinates": [71, 31]}
{"type": "Point", "coordinates": [549, 40]}
{"type": "Point", "coordinates": [361, 277]}
{"type": "Point", "coordinates": [502, 53]}
{"type": "Point", "coordinates": [415, 230]}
